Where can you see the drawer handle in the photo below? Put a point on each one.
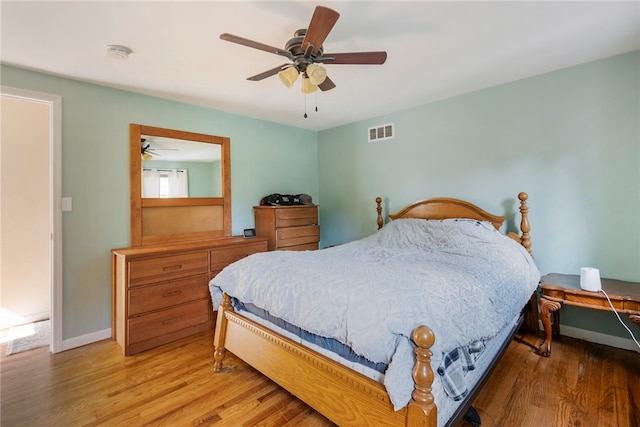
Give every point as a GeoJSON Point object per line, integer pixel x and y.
{"type": "Point", "coordinates": [172, 267]}
{"type": "Point", "coordinates": [170, 321]}
{"type": "Point", "coordinates": [171, 294]}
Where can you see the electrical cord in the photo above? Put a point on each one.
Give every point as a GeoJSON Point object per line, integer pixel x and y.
{"type": "Point", "coordinates": [618, 316]}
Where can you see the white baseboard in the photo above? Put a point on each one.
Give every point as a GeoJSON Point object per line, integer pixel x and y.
{"type": "Point", "coordinates": [597, 337]}
{"type": "Point", "coordinates": [74, 342]}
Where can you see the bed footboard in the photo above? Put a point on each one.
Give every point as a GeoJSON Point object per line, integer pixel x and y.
{"type": "Point", "coordinates": [346, 397]}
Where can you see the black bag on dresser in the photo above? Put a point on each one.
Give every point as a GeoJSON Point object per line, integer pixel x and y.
{"type": "Point", "coordinates": [276, 199]}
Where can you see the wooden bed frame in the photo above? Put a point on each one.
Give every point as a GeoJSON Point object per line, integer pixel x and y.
{"type": "Point", "coordinates": [342, 395]}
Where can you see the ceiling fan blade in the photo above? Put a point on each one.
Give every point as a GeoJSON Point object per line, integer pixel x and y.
{"type": "Point", "coordinates": [327, 84]}
{"type": "Point", "coordinates": [268, 73]}
{"type": "Point", "coordinates": [322, 22]}
{"type": "Point", "coordinates": [256, 45]}
{"type": "Point", "coordinates": [367, 58]}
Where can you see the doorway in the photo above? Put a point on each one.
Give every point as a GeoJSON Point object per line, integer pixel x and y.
{"type": "Point", "coordinates": [25, 191]}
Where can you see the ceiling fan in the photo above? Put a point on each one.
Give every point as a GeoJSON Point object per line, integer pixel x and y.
{"type": "Point", "coordinates": [147, 152]}
{"type": "Point", "coordinates": [305, 51]}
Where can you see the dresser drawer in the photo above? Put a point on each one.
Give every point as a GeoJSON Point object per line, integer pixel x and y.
{"type": "Point", "coordinates": [292, 217]}
{"type": "Point", "coordinates": [305, 247]}
{"type": "Point", "coordinates": [167, 321]}
{"type": "Point", "coordinates": [293, 236]}
{"type": "Point", "coordinates": [151, 298]}
{"type": "Point", "coordinates": [221, 257]}
{"type": "Point", "coordinates": [151, 270]}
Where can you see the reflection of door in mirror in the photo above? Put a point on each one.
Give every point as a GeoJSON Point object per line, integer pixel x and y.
{"type": "Point", "coordinates": [180, 186]}
{"type": "Point", "coordinates": [179, 168]}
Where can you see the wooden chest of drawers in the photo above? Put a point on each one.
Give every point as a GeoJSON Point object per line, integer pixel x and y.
{"type": "Point", "coordinates": [288, 227]}
{"type": "Point", "coordinates": [161, 293]}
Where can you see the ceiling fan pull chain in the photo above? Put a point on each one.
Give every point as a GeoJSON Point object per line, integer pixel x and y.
{"type": "Point", "coordinates": [316, 93]}
{"type": "Point", "coordinates": [305, 105]}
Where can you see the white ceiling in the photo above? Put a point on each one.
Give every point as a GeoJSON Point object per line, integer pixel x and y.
{"type": "Point", "coordinates": [435, 49]}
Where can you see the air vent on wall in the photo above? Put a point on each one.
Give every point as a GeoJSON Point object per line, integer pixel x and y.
{"type": "Point", "coordinates": [383, 132]}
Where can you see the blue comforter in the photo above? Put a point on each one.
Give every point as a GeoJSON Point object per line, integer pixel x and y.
{"type": "Point", "coordinates": [462, 278]}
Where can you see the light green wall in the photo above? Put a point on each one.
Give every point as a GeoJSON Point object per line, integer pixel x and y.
{"type": "Point", "coordinates": [570, 139]}
{"type": "Point", "coordinates": [265, 158]}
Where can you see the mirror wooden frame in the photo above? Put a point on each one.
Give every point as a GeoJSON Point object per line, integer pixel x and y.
{"type": "Point", "coordinates": [195, 218]}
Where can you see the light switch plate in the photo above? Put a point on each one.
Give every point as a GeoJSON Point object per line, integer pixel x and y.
{"type": "Point", "coordinates": [67, 204]}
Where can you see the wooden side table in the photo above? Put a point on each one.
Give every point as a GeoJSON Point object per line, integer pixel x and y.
{"type": "Point", "coordinates": [557, 289]}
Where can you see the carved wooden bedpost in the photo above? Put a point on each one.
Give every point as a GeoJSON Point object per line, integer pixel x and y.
{"type": "Point", "coordinates": [531, 319]}
{"type": "Point", "coordinates": [525, 227]}
{"type": "Point", "coordinates": [221, 333]}
{"type": "Point", "coordinates": [422, 410]}
{"type": "Point", "coordinates": [379, 209]}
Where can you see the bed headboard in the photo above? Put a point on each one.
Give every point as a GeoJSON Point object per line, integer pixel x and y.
{"type": "Point", "coordinates": [444, 208]}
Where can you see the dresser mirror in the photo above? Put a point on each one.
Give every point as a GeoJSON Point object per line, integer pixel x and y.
{"type": "Point", "coordinates": [180, 185]}
{"type": "Point", "coordinates": [175, 168]}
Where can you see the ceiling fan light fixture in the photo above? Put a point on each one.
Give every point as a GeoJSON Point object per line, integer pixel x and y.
{"type": "Point", "coordinates": [307, 86]}
{"type": "Point", "coordinates": [316, 73]}
{"type": "Point", "coordinates": [288, 76]}
{"type": "Point", "coordinates": [146, 156]}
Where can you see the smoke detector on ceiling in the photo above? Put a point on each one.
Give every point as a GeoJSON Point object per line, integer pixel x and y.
{"type": "Point", "coordinates": [118, 52]}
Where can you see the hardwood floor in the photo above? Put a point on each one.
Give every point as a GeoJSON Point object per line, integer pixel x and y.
{"type": "Point", "coordinates": [581, 384]}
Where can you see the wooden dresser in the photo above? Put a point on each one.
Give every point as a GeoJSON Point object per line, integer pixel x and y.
{"type": "Point", "coordinates": [161, 292]}
{"type": "Point", "coordinates": [288, 227]}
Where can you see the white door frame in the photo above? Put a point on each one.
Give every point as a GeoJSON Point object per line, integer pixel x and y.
{"type": "Point", "coordinates": [55, 199]}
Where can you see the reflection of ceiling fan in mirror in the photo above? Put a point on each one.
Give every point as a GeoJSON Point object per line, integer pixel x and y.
{"type": "Point", "coordinates": [147, 152]}
{"type": "Point", "coordinates": [167, 149]}
{"type": "Point", "coordinates": [305, 51]}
